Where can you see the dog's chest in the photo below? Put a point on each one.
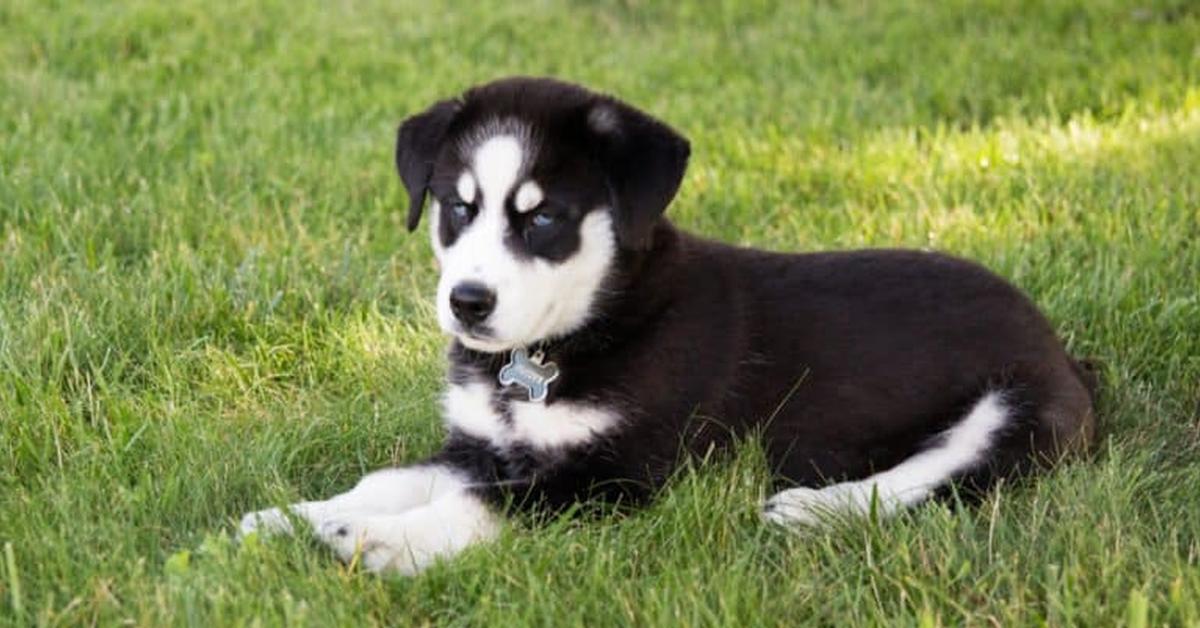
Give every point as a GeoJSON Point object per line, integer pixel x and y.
{"type": "Point", "coordinates": [481, 409]}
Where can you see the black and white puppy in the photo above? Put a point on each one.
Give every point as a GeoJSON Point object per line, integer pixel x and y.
{"type": "Point", "coordinates": [595, 345]}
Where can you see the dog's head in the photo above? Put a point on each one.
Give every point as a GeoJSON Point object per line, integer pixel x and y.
{"type": "Point", "coordinates": [536, 186]}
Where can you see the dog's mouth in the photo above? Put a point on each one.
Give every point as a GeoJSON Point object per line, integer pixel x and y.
{"type": "Point", "coordinates": [484, 338]}
{"type": "Point", "coordinates": [481, 339]}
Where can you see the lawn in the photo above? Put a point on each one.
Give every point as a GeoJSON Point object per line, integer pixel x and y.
{"type": "Point", "coordinates": [208, 302]}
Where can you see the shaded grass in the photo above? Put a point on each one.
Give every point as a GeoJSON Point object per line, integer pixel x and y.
{"type": "Point", "coordinates": [208, 302]}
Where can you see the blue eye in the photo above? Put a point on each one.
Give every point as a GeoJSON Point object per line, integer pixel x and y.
{"type": "Point", "coordinates": [461, 213]}
{"type": "Point", "coordinates": [541, 219]}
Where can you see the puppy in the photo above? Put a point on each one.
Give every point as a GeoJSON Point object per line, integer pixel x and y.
{"type": "Point", "coordinates": [594, 345]}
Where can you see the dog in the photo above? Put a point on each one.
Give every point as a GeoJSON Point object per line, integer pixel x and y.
{"type": "Point", "coordinates": [594, 346]}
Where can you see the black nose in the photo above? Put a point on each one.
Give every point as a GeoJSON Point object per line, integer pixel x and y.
{"type": "Point", "coordinates": [472, 302]}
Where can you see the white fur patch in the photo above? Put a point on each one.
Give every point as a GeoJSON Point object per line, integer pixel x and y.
{"type": "Point", "coordinates": [466, 187]}
{"type": "Point", "coordinates": [388, 491]}
{"type": "Point", "coordinates": [909, 482]}
{"type": "Point", "coordinates": [435, 219]}
{"type": "Point", "coordinates": [468, 408]}
{"type": "Point", "coordinates": [529, 196]}
{"type": "Point", "coordinates": [558, 424]}
{"type": "Point", "coordinates": [497, 163]}
{"type": "Point", "coordinates": [409, 542]}
{"type": "Point", "coordinates": [399, 520]}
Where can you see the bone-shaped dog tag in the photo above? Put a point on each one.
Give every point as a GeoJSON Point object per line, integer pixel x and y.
{"type": "Point", "coordinates": [528, 373]}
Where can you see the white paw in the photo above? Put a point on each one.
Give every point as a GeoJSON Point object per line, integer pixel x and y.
{"type": "Point", "coordinates": [807, 506]}
{"type": "Point", "coordinates": [342, 535]}
{"type": "Point", "coordinates": [269, 521]}
{"type": "Point", "coordinates": [378, 550]}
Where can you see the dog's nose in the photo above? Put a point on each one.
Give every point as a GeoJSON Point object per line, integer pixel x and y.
{"type": "Point", "coordinates": [472, 302]}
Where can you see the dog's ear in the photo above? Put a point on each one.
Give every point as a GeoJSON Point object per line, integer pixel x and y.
{"type": "Point", "coordinates": [644, 159]}
{"type": "Point", "coordinates": [417, 144]}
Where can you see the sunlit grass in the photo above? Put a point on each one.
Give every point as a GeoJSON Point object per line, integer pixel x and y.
{"type": "Point", "coordinates": [208, 302]}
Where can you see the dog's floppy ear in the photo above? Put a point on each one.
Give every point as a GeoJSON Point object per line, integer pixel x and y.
{"type": "Point", "coordinates": [645, 160]}
{"type": "Point", "coordinates": [417, 144]}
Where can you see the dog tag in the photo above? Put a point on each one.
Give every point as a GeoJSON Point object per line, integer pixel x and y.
{"type": "Point", "coordinates": [528, 373]}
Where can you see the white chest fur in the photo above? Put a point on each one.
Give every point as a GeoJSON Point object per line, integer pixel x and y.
{"type": "Point", "coordinates": [470, 409]}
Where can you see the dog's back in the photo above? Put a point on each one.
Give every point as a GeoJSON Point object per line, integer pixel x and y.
{"type": "Point", "coordinates": [857, 361]}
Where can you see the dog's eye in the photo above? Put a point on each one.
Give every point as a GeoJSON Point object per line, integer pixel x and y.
{"type": "Point", "coordinates": [542, 218]}
{"type": "Point", "coordinates": [461, 213]}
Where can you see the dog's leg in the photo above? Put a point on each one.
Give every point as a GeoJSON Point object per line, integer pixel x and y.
{"type": "Point", "coordinates": [389, 491]}
{"type": "Point", "coordinates": [408, 542]}
{"type": "Point", "coordinates": [963, 447]}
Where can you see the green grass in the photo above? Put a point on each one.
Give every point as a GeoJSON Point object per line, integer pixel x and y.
{"type": "Point", "coordinates": [208, 303]}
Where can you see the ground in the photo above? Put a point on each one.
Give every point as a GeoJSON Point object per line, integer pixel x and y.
{"type": "Point", "coordinates": [208, 302]}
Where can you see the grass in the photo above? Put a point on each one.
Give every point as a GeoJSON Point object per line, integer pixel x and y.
{"type": "Point", "coordinates": [208, 303]}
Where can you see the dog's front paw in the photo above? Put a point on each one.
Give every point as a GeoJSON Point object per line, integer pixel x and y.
{"type": "Point", "coordinates": [343, 536]}
{"type": "Point", "coordinates": [379, 549]}
{"type": "Point", "coordinates": [269, 521]}
{"type": "Point", "coordinates": [806, 506]}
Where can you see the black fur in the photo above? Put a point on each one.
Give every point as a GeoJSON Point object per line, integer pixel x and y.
{"type": "Point", "coordinates": [417, 143]}
{"type": "Point", "coordinates": [847, 363]}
